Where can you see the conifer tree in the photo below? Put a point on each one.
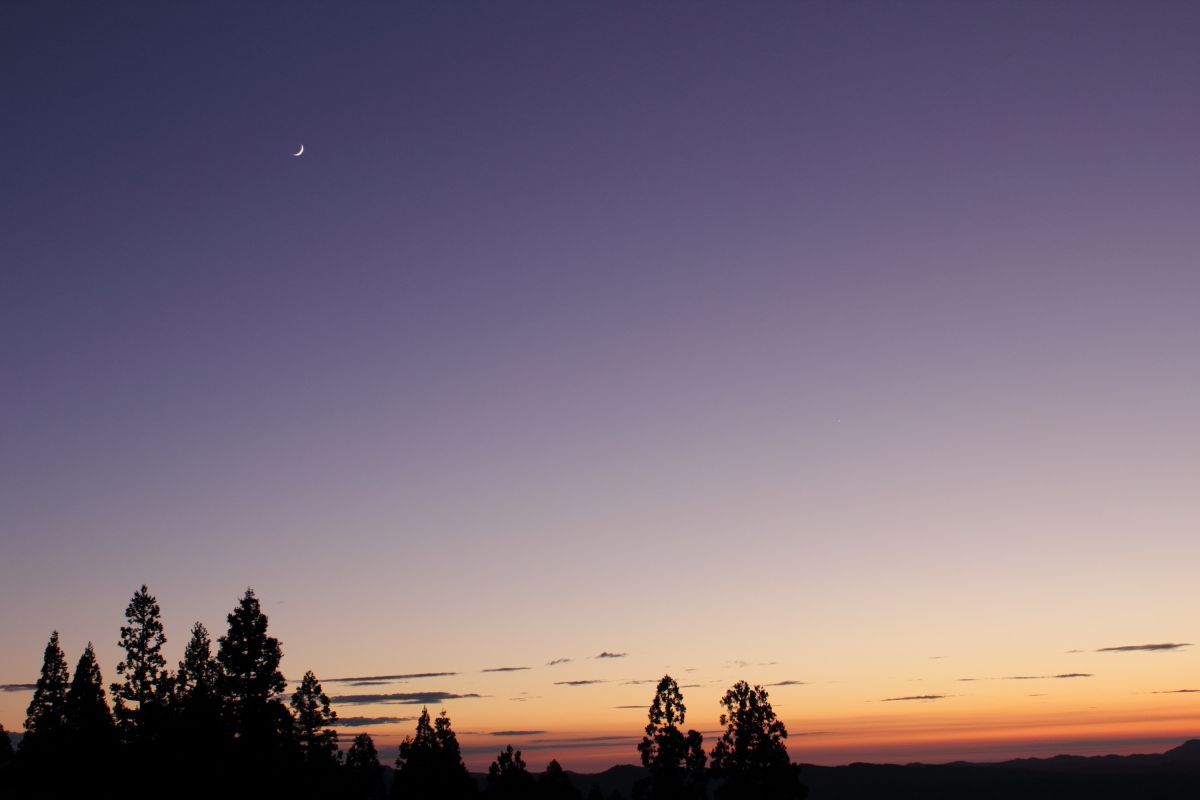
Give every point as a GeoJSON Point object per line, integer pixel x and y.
{"type": "Point", "coordinates": [250, 681]}
{"type": "Point", "coordinates": [674, 761]}
{"type": "Point", "coordinates": [365, 774]}
{"type": "Point", "coordinates": [195, 734]}
{"type": "Point", "coordinates": [312, 717]}
{"type": "Point", "coordinates": [362, 755]}
{"type": "Point", "coordinates": [430, 764]}
{"type": "Point", "coordinates": [139, 700]}
{"type": "Point", "coordinates": [508, 778]}
{"type": "Point", "coordinates": [196, 678]}
{"type": "Point", "coordinates": [751, 759]}
{"type": "Point", "coordinates": [46, 718]}
{"type": "Point", "coordinates": [555, 784]}
{"type": "Point", "coordinates": [89, 720]}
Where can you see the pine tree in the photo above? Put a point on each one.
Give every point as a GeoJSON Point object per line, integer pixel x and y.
{"type": "Point", "coordinates": [91, 731]}
{"type": "Point", "coordinates": [508, 778]}
{"type": "Point", "coordinates": [250, 681]}
{"type": "Point", "coordinates": [362, 755]}
{"type": "Point", "coordinates": [554, 784]}
{"type": "Point", "coordinates": [751, 759]}
{"type": "Point", "coordinates": [89, 719]}
{"type": "Point", "coordinates": [675, 761]}
{"type": "Point", "coordinates": [365, 774]}
{"type": "Point", "coordinates": [139, 701]}
{"type": "Point", "coordinates": [46, 718]}
{"type": "Point", "coordinates": [312, 715]}
{"type": "Point", "coordinates": [195, 734]}
{"type": "Point", "coordinates": [430, 764]}
{"type": "Point", "coordinates": [196, 678]}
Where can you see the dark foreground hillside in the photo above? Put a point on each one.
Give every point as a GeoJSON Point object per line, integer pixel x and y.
{"type": "Point", "coordinates": [1173, 775]}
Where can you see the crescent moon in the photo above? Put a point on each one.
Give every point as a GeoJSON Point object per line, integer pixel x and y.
{"type": "Point", "coordinates": [299, 152]}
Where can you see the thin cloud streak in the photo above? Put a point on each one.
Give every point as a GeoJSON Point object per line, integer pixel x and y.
{"type": "Point", "coordinates": [400, 698]}
{"type": "Point", "coordinates": [577, 683]}
{"type": "Point", "coordinates": [386, 678]}
{"type": "Point", "coordinates": [1133, 648]}
{"type": "Point", "coordinates": [362, 722]}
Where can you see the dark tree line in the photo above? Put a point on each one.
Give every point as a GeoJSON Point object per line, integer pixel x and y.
{"type": "Point", "coordinates": [218, 726]}
{"type": "Point", "coordinates": [749, 762]}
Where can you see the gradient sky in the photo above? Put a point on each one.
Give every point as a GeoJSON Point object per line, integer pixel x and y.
{"type": "Point", "coordinates": [852, 344]}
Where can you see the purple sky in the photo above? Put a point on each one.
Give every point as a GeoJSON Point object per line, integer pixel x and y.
{"type": "Point", "coordinates": [862, 305]}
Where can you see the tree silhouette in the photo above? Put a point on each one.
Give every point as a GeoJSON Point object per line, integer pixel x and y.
{"type": "Point", "coordinates": [196, 700]}
{"type": "Point", "coordinates": [46, 718]}
{"type": "Point", "coordinates": [430, 763]}
{"type": "Point", "coordinates": [751, 759]}
{"type": "Point", "coordinates": [362, 754]}
{"type": "Point", "coordinates": [364, 773]}
{"type": "Point", "coordinates": [508, 779]}
{"type": "Point", "coordinates": [250, 681]}
{"type": "Point", "coordinates": [675, 761]}
{"type": "Point", "coordinates": [312, 716]}
{"type": "Point", "coordinates": [198, 671]}
{"type": "Point", "coordinates": [138, 701]}
{"type": "Point", "coordinates": [91, 731]}
{"type": "Point", "coordinates": [554, 784]}
{"type": "Point", "coordinates": [260, 753]}
{"type": "Point", "coordinates": [595, 793]}
{"type": "Point", "coordinates": [89, 720]}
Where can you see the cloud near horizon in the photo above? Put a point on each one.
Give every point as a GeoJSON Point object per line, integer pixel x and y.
{"type": "Point", "coordinates": [914, 697]}
{"type": "Point", "coordinates": [607, 654]}
{"type": "Point", "coordinates": [558, 661]}
{"type": "Point", "coordinates": [789, 683]}
{"type": "Point", "coordinates": [364, 680]}
{"type": "Point", "coordinates": [1178, 691]}
{"type": "Point", "coordinates": [362, 722]}
{"type": "Point", "coordinates": [505, 669]}
{"type": "Point", "coordinates": [400, 698]}
{"type": "Point", "coordinates": [17, 687]}
{"type": "Point", "coordinates": [1033, 677]}
{"type": "Point", "coordinates": [1133, 648]}
{"type": "Point", "coordinates": [577, 683]}
{"type": "Point", "coordinates": [516, 733]}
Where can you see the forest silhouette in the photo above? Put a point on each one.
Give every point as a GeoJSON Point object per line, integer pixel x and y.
{"type": "Point", "coordinates": [221, 725]}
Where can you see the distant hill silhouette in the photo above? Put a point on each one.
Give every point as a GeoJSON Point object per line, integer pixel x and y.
{"type": "Point", "coordinates": [1172, 775]}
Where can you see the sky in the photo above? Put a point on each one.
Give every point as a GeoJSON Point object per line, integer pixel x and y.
{"type": "Point", "coordinates": [845, 348]}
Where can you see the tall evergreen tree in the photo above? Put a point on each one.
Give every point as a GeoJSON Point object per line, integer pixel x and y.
{"type": "Point", "coordinates": [250, 681]}
{"type": "Point", "coordinates": [555, 784]}
{"type": "Point", "coordinates": [198, 671]}
{"type": "Point", "coordinates": [362, 754]}
{"type": "Point", "coordinates": [195, 734]}
{"type": "Point", "coordinates": [91, 743]}
{"type": "Point", "coordinates": [46, 718]}
{"type": "Point", "coordinates": [364, 772]}
{"type": "Point", "coordinates": [674, 761]}
{"type": "Point", "coordinates": [139, 701]}
{"type": "Point", "coordinates": [508, 778]}
{"type": "Point", "coordinates": [750, 759]}
{"type": "Point", "coordinates": [430, 764]}
{"type": "Point", "coordinates": [312, 718]}
{"type": "Point", "coordinates": [89, 720]}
